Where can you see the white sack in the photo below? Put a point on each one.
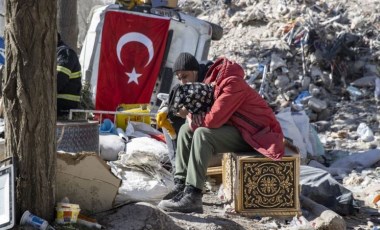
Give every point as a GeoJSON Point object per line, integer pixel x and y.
{"type": "Point", "coordinates": [147, 146]}
{"type": "Point", "coordinates": [315, 143]}
{"type": "Point", "coordinates": [358, 160]}
{"type": "Point", "coordinates": [139, 186]}
{"type": "Point", "coordinates": [110, 146]}
{"type": "Point", "coordinates": [290, 130]}
{"type": "Point", "coordinates": [365, 132]}
{"type": "Point", "coordinates": [302, 122]}
{"type": "Point", "coordinates": [365, 81]}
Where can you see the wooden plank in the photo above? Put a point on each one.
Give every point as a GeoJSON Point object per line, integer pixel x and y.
{"type": "Point", "coordinates": [214, 170]}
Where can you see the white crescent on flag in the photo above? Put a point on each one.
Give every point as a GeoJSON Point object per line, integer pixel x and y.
{"type": "Point", "coordinates": [135, 37]}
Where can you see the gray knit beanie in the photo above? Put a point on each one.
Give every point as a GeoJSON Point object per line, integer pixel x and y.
{"type": "Point", "coordinates": [186, 62]}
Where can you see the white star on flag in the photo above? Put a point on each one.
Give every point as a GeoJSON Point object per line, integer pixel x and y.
{"type": "Point", "coordinates": [133, 76]}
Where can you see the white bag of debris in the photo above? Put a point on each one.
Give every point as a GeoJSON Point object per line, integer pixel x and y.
{"type": "Point", "coordinates": [146, 146]}
{"type": "Point", "coordinates": [365, 132]}
{"type": "Point", "coordinates": [302, 122]}
{"type": "Point", "coordinates": [143, 177]}
{"type": "Point", "coordinates": [358, 160]}
{"type": "Point", "coordinates": [290, 130]}
{"type": "Point", "coordinates": [296, 126]}
{"type": "Point", "coordinates": [315, 143]}
{"type": "Point", "coordinates": [110, 145]}
{"type": "Point", "coordinates": [138, 185]}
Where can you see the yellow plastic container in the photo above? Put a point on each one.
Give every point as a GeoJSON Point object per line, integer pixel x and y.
{"type": "Point", "coordinates": [67, 213]}
{"type": "Point", "coordinates": [122, 119]}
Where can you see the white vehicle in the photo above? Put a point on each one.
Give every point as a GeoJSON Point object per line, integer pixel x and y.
{"type": "Point", "coordinates": [186, 34]}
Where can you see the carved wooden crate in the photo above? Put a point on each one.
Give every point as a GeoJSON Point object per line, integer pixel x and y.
{"type": "Point", "coordinates": [256, 185]}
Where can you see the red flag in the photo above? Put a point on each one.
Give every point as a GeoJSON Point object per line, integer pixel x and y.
{"type": "Point", "coordinates": [131, 52]}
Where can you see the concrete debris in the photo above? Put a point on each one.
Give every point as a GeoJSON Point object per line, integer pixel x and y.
{"type": "Point", "coordinates": [318, 46]}
{"type": "Point", "coordinates": [324, 218]}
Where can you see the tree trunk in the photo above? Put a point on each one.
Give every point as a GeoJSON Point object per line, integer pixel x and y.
{"type": "Point", "coordinates": [30, 102]}
{"type": "Point", "coordinates": [68, 22]}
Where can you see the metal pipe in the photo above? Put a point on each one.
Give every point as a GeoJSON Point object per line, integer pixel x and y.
{"type": "Point", "coordinates": [261, 91]}
{"type": "Point", "coordinates": [108, 112]}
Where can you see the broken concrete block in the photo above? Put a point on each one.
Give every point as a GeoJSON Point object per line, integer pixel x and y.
{"type": "Point", "coordinates": [282, 81]}
{"type": "Point", "coordinates": [323, 218]}
{"type": "Point", "coordinates": [86, 180]}
{"type": "Point", "coordinates": [316, 105]}
{"type": "Point", "coordinates": [137, 216]}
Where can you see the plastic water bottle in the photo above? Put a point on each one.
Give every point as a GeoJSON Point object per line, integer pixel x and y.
{"type": "Point", "coordinates": [377, 89]}
{"type": "Point", "coordinates": [354, 92]}
{"type": "Point", "coordinates": [65, 200]}
{"type": "Point", "coordinates": [35, 221]}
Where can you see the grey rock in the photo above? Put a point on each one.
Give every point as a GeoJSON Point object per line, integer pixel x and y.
{"type": "Point", "coordinates": [322, 217]}
{"type": "Point", "coordinates": [137, 216]}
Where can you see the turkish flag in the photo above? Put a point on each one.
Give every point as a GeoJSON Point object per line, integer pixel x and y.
{"type": "Point", "coordinates": [131, 53]}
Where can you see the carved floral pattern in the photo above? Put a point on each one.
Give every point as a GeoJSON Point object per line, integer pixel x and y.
{"type": "Point", "coordinates": [268, 184]}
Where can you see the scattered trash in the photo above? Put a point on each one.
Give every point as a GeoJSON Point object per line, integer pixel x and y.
{"type": "Point", "coordinates": [300, 223]}
{"type": "Point", "coordinates": [303, 97]}
{"type": "Point", "coordinates": [365, 132]}
{"type": "Point", "coordinates": [221, 194]}
{"type": "Point", "coordinates": [107, 127]}
{"type": "Point", "coordinates": [377, 89]}
{"type": "Point", "coordinates": [67, 213]}
{"type": "Point", "coordinates": [211, 185]}
{"type": "Point", "coordinates": [354, 92]}
{"type": "Point", "coordinates": [35, 221]}
{"type": "Point", "coordinates": [88, 222]}
{"type": "Point", "coordinates": [376, 200]}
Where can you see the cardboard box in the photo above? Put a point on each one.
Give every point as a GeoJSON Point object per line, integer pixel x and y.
{"type": "Point", "coordinates": [165, 3]}
{"type": "Point", "coordinates": [256, 185]}
{"type": "Point", "coordinates": [86, 180]}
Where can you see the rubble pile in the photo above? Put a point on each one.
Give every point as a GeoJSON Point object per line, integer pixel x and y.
{"type": "Point", "coordinates": [303, 53]}
{"type": "Point", "coordinates": [318, 57]}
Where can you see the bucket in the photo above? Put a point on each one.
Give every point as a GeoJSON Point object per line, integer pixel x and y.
{"type": "Point", "coordinates": [35, 221]}
{"type": "Point", "coordinates": [107, 126]}
{"type": "Point", "coordinates": [122, 119]}
{"type": "Point", "coordinates": [67, 213]}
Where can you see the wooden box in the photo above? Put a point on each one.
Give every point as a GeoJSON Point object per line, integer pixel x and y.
{"type": "Point", "coordinates": [258, 186]}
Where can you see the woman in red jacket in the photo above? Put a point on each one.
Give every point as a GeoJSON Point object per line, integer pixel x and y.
{"type": "Point", "coordinates": [239, 121]}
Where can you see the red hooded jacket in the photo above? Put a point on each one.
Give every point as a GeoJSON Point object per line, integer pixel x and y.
{"type": "Point", "coordinates": [237, 104]}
